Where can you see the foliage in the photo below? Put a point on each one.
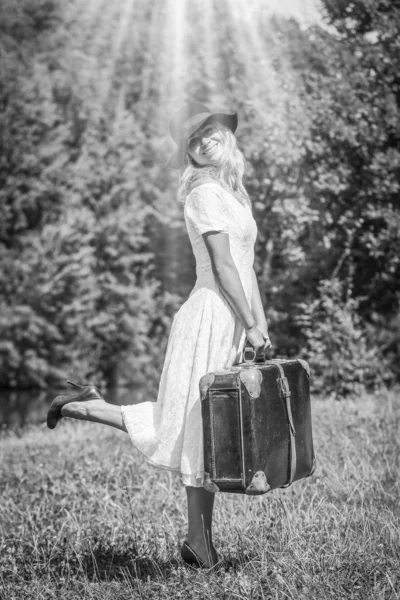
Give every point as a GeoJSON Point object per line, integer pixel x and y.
{"type": "Point", "coordinates": [354, 157]}
{"type": "Point", "coordinates": [325, 176]}
{"type": "Point", "coordinates": [76, 265]}
{"type": "Point", "coordinates": [342, 362]}
{"type": "Point", "coordinates": [94, 256]}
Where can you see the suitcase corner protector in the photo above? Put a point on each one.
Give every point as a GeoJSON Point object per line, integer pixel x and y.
{"type": "Point", "coordinates": [209, 485]}
{"type": "Point", "coordinates": [258, 485]}
{"type": "Point", "coordinates": [305, 365]}
{"type": "Point", "coordinates": [252, 380]}
{"type": "Point", "coordinates": [205, 383]}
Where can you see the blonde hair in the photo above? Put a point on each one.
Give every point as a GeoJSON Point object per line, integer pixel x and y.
{"type": "Point", "coordinates": [229, 172]}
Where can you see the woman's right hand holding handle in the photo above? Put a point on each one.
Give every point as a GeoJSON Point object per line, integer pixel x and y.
{"type": "Point", "coordinates": [255, 337]}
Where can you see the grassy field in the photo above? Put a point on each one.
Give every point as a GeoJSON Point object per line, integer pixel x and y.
{"type": "Point", "coordinates": [83, 517]}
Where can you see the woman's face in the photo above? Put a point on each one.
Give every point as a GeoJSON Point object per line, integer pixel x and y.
{"type": "Point", "coordinates": [205, 146]}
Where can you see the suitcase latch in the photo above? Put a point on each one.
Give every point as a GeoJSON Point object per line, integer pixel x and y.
{"type": "Point", "coordinates": [284, 386]}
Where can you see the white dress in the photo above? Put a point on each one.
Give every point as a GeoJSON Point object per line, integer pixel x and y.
{"type": "Point", "coordinates": [205, 336]}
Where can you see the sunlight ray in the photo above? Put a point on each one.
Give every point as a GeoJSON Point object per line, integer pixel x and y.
{"type": "Point", "coordinates": [260, 77]}
{"type": "Point", "coordinates": [177, 30]}
{"type": "Point", "coordinates": [92, 25]}
{"type": "Point", "coordinates": [85, 18]}
{"type": "Point", "coordinates": [270, 74]}
{"type": "Point", "coordinates": [154, 68]}
{"type": "Point", "coordinates": [305, 12]}
{"type": "Point", "coordinates": [101, 34]}
{"type": "Point", "coordinates": [119, 31]}
{"type": "Point", "coordinates": [161, 76]}
{"type": "Point", "coordinates": [106, 27]}
{"type": "Point", "coordinates": [208, 27]}
{"type": "Point", "coordinates": [95, 50]}
{"type": "Point", "coordinates": [82, 9]}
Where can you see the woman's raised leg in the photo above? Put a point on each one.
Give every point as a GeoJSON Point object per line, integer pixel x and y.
{"type": "Point", "coordinates": [200, 512]}
{"type": "Point", "coordinates": [97, 411]}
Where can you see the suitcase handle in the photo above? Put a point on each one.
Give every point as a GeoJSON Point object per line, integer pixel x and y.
{"type": "Point", "coordinates": [250, 355]}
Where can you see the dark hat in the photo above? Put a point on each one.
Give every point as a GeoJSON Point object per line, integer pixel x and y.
{"type": "Point", "coordinates": [188, 119]}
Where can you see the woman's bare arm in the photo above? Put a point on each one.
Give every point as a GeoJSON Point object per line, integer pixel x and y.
{"type": "Point", "coordinates": [258, 311]}
{"type": "Point", "coordinates": [228, 278]}
{"type": "Point", "coordinates": [227, 275]}
{"type": "Point", "coordinates": [257, 306]}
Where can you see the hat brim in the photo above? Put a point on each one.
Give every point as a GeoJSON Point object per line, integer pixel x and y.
{"type": "Point", "coordinates": [178, 157]}
{"type": "Point", "coordinates": [229, 120]}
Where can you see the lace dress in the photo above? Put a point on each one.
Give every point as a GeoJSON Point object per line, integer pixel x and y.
{"type": "Point", "coordinates": [205, 336]}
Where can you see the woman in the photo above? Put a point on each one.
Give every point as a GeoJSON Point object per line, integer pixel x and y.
{"type": "Point", "coordinates": [209, 330]}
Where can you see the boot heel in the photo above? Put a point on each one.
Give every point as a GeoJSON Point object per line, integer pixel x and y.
{"type": "Point", "coordinates": [75, 384]}
{"type": "Point", "coordinates": [192, 558]}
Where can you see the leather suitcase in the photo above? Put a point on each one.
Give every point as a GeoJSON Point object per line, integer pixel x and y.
{"type": "Point", "coordinates": [257, 425]}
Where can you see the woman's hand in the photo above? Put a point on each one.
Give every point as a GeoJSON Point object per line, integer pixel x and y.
{"type": "Point", "coordinates": [253, 335]}
{"type": "Point", "coordinates": [256, 337]}
{"type": "Point", "coordinates": [263, 327]}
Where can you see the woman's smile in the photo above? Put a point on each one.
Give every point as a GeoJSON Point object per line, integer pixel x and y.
{"type": "Point", "coordinates": [204, 144]}
{"type": "Point", "coordinates": [209, 147]}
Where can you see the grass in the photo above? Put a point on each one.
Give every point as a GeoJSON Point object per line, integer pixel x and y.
{"type": "Point", "coordinates": [83, 516]}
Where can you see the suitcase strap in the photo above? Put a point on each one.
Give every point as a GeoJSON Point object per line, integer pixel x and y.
{"type": "Point", "coordinates": [285, 391]}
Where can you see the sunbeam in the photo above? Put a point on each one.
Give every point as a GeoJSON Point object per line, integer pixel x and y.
{"type": "Point", "coordinates": [83, 10]}
{"type": "Point", "coordinates": [252, 50]}
{"type": "Point", "coordinates": [208, 28]}
{"type": "Point", "coordinates": [95, 49]}
{"type": "Point", "coordinates": [170, 69]}
{"type": "Point", "coordinates": [305, 12]}
{"type": "Point", "coordinates": [177, 29]}
{"type": "Point", "coordinates": [121, 30]}
{"type": "Point", "coordinates": [154, 69]}
{"type": "Point", "coordinates": [95, 25]}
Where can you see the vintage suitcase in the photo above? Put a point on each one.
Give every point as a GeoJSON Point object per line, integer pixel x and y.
{"type": "Point", "coordinates": [257, 425]}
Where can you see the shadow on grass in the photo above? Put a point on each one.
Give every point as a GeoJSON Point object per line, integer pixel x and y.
{"type": "Point", "coordinates": [105, 564]}
{"type": "Point", "coordinates": [102, 563]}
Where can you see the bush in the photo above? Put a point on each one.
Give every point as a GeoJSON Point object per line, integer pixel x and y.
{"type": "Point", "coordinates": [342, 361]}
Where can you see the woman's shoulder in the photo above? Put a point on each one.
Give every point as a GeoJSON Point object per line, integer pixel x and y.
{"type": "Point", "coordinates": [208, 186]}
{"type": "Point", "coordinates": [204, 187]}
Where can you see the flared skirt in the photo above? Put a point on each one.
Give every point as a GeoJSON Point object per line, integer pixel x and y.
{"type": "Point", "coordinates": [205, 336]}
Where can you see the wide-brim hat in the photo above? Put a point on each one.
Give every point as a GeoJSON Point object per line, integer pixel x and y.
{"type": "Point", "coordinates": [188, 119]}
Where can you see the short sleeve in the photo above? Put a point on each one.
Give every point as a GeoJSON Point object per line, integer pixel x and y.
{"type": "Point", "coordinates": [206, 210]}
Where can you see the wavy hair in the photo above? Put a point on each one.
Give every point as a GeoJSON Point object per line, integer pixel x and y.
{"type": "Point", "coordinates": [229, 172]}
